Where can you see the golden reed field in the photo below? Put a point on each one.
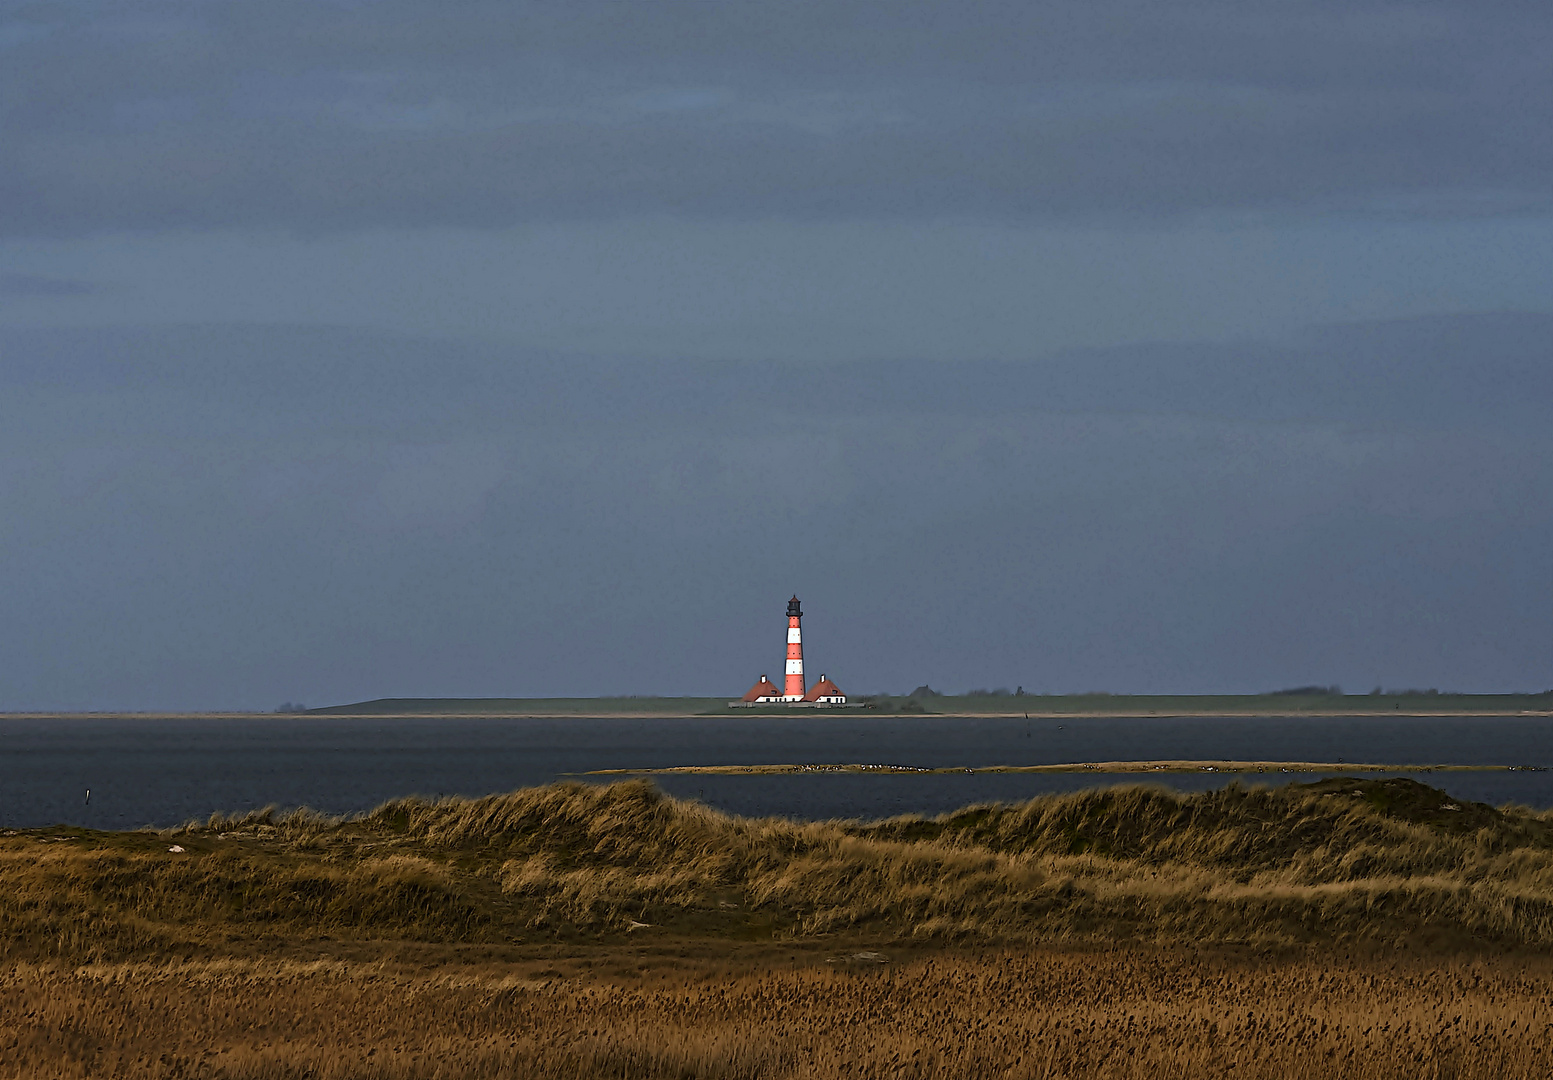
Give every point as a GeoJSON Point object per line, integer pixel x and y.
{"type": "Point", "coordinates": [1350, 928]}
{"type": "Point", "coordinates": [1134, 1012]}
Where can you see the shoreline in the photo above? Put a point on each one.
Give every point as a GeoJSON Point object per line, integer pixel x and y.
{"type": "Point", "coordinates": [747, 714]}
{"type": "Point", "coordinates": [1076, 768]}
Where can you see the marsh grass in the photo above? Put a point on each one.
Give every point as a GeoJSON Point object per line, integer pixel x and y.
{"type": "Point", "coordinates": [1345, 929]}
{"type": "Point", "coordinates": [1343, 860]}
{"type": "Point", "coordinates": [1134, 1012]}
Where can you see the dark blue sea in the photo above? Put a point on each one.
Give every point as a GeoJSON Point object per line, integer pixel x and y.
{"type": "Point", "coordinates": [165, 771]}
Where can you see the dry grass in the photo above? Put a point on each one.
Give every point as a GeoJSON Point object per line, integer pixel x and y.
{"type": "Point", "coordinates": [1363, 858]}
{"type": "Point", "coordinates": [1379, 861]}
{"type": "Point", "coordinates": [1371, 929]}
{"type": "Point", "coordinates": [1130, 1013]}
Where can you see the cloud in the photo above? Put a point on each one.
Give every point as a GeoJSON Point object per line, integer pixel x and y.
{"type": "Point", "coordinates": [317, 116]}
{"type": "Point", "coordinates": [14, 284]}
{"type": "Point", "coordinates": [219, 516]}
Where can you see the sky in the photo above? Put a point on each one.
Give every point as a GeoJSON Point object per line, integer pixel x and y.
{"type": "Point", "coordinates": [390, 348]}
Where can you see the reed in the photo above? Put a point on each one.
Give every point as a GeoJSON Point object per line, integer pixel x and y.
{"type": "Point", "coordinates": [1025, 1015]}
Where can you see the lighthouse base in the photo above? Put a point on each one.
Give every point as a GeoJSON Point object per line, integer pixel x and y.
{"type": "Point", "coordinates": [779, 704]}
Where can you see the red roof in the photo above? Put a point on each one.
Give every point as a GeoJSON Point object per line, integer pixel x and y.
{"type": "Point", "coordinates": [764, 688]}
{"type": "Point", "coordinates": [823, 688]}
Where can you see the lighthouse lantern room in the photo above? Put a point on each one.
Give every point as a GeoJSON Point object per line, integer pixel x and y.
{"type": "Point", "coordinates": [794, 689]}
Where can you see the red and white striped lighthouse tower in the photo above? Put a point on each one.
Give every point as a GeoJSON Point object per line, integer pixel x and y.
{"type": "Point", "coordinates": [793, 690]}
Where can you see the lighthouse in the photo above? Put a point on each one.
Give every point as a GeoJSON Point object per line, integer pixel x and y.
{"type": "Point", "coordinates": [822, 695]}
{"type": "Point", "coordinates": [794, 688]}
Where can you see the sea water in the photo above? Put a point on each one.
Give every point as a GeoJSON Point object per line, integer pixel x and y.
{"type": "Point", "coordinates": [164, 771]}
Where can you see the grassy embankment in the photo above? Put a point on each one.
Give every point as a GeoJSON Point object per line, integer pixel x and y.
{"type": "Point", "coordinates": [1283, 704]}
{"type": "Point", "coordinates": [1409, 704]}
{"type": "Point", "coordinates": [1350, 928]}
{"type": "Point", "coordinates": [558, 707]}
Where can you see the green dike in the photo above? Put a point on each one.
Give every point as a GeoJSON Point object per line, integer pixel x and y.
{"type": "Point", "coordinates": [594, 706]}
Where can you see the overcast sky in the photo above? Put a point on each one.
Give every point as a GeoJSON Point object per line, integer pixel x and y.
{"type": "Point", "coordinates": [395, 348]}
